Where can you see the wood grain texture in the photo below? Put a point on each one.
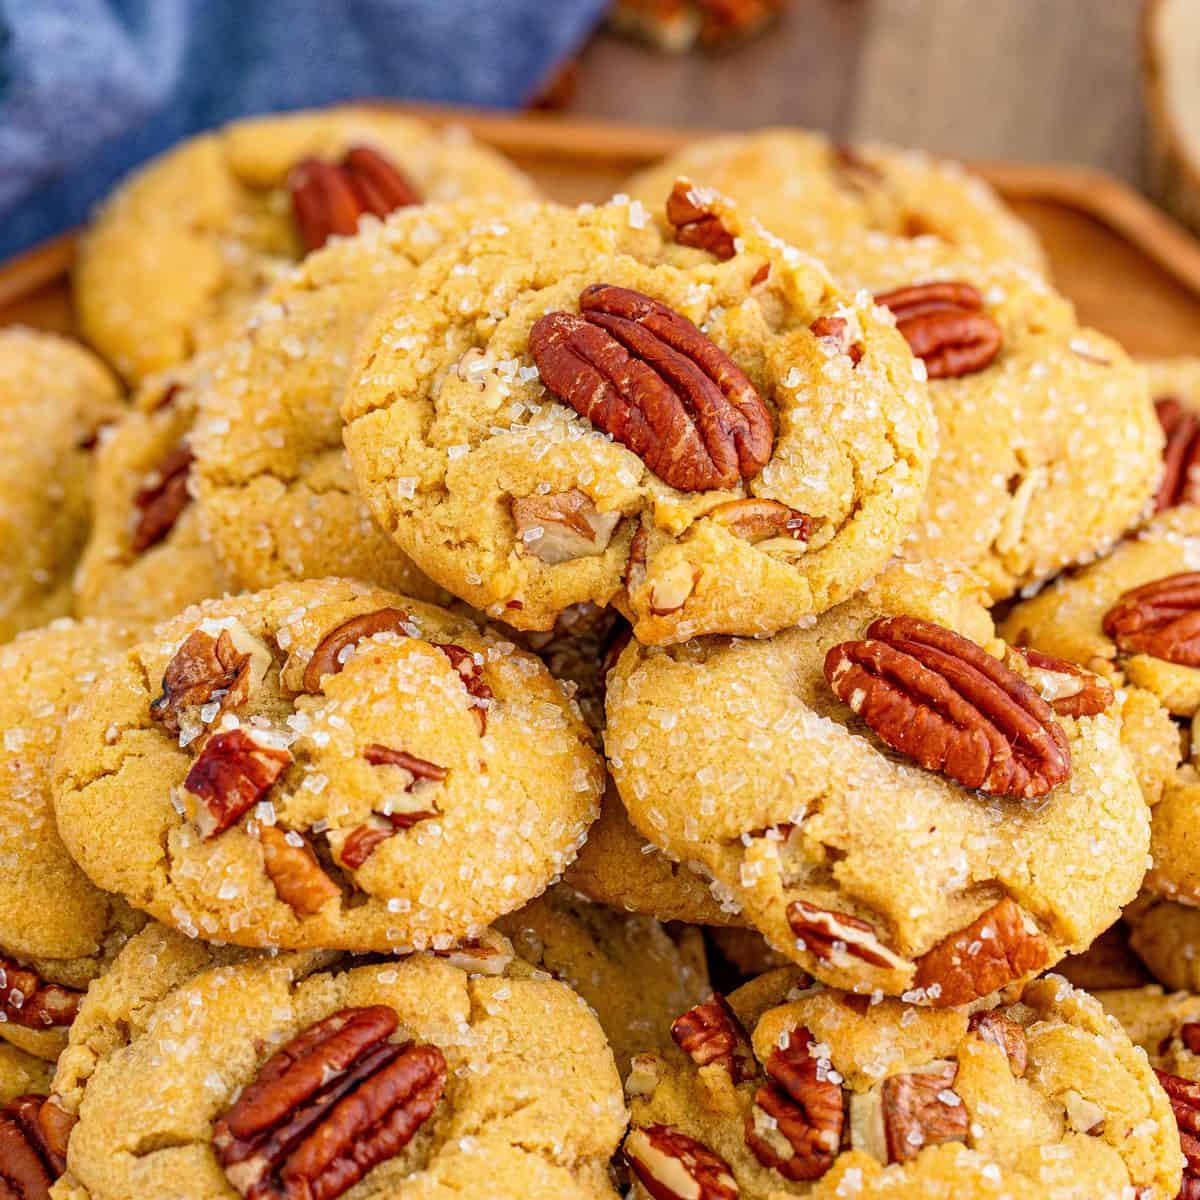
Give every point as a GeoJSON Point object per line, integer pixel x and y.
{"type": "Point", "coordinates": [1034, 80]}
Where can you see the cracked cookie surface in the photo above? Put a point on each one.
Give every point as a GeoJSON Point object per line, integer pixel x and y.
{"type": "Point", "coordinates": [55, 397]}
{"type": "Point", "coordinates": [803, 818]}
{"type": "Point", "coordinates": [829, 1095]}
{"type": "Point", "coordinates": [504, 494]}
{"type": "Point", "coordinates": [58, 931]}
{"type": "Point", "coordinates": [270, 467]}
{"type": "Point", "coordinates": [326, 764]}
{"type": "Point", "coordinates": [530, 1100]}
{"type": "Point", "coordinates": [205, 227]}
{"type": "Point", "coordinates": [824, 198]}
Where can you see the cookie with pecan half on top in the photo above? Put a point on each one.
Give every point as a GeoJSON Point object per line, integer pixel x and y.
{"type": "Point", "coordinates": [666, 411]}
{"type": "Point", "coordinates": [58, 930]}
{"type": "Point", "coordinates": [326, 764]}
{"type": "Point", "coordinates": [201, 230]}
{"type": "Point", "coordinates": [786, 1090]}
{"type": "Point", "coordinates": [905, 805]}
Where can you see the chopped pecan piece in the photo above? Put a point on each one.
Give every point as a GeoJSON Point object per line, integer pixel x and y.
{"type": "Point", "coordinates": [1181, 455]}
{"type": "Point", "coordinates": [27, 1001]}
{"type": "Point", "coordinates": [650, 379]}
{"type": "Point", "coordinates": [757, 520]}
{"type": "Point", "coordinates": [562, 526]}
{"type": "Point", "coordinates": [330, 198]}
{"type": "Point", "coordinates": [689, 210]}
{"type": "Point", "coordinates": [206, 669]}
{"type": "Point", "coordinates": [795, 1125]}
{"type": "Point", "coordinates": [993, 950]}
{"type": "Point", "coordinates": [710, 1033]}
{"type": "Point", "coordinates": [671, 588]}
{"type": "Point", "coordinates": [28, 1164]}
{"type": "Point", "coordinates": [334, 649]}
{"type": "Point", "coordinates": [1189, 1035]}
{"type": "Point", "coordinates": [826, 934]}
{"type": "Point", "coordinates": [329, 1106]}
{"type": "Point", "coordinates": [1069, 690]}
{"type": "Point", "coordinates": [1004, 1032]}
{"type": "Point", "coordinates": [1161, 619]}
{"type": "Point", "coordinates": [233, 772]}
{"type": "Point", "coordinates": [834, 331]}
{"type": "Point", "coordinates": [1184, 1096]}
{"type": "Point", "coordinates": [471, 673]}
{"type": "Point", "coordinates": [418, 768]}
{"type": "Point", "coordinates": [945, 326]}
{"type": "Point", "coordinates": [294, 871]}
{"type": "Point", "coordinates": [672, 1166]}
{"type": "Point", "coordinates": [922, 1109]}
{"type": "Point", "coordinates": [952, 707]}
{"type": "Point", "coordinates": [161, 501]}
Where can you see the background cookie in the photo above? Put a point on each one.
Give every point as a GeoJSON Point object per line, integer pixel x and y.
{"type": "Point", "coordinates": [804, 816]}
{"type": "Point", "coordinates": [347, 768]}
{"type": "Point", "coordinates": [507, 1084]}
{"type": "Point", "coordinates": [506, 496]}
{"type": "Point", "coordinates": [203, 228]}
{"type": "Point", "coordinates": [825, 1095]}
{"type": "Point", "coordinates": [57, 930]}
{"type": "Point", "coordinates": [270, 468]}
{"type": "Point", "coordinates": [823, 197]}
{"type": "Point", "coordinates": [150, 553]}
{"type": "Point", "coordinates": [54, 399]}
{"type": "Point", "coordinates": [1166, 936]}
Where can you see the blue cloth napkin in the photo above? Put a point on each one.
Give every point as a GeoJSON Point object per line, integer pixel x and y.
{"type": "Point", "coordinates": [90, 88]}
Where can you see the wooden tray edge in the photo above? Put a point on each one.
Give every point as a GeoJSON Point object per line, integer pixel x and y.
{"type": "Point", "coordinates": [1086, 190]}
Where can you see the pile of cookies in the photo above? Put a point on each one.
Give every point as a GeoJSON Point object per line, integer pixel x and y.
{"type": "Point", "coordinates": [447, 634]}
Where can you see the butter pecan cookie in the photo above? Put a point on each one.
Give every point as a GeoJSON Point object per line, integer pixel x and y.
{"type": "Point", "coordinates": [406, 1078]}
{"type": "Point", "coordinates": [894, 729]}
{"type": "Point", "coordinates": [635, 973]}
{"type": "Point", "coordinates": [326, 764]}
{"type": "Point", "coordinates": [57, 930]}
{"type": "Point", "coordinates": [188, 242]}
{"type": "Point", "coordinates": [1165, 935]}
{"type": "Point", "coordinates": [783, 1090]}
{"type": "Point", "coordinates": [150, 553]}
{"type": "Point", "coordinates": [22, 1074]}
{"type": "Point", "coordinates": [570, 406]}
{"type": "Point", "coordinates": [55, 398]}
{"type": "Point", "coordinates": [824, 197]}
{"type": "Point", "coordinates": [1049, 449]}
{"type": "Point", "coordinates": [270, 468]}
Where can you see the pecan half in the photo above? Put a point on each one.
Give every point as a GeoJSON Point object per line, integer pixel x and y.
{"type": "Point", "coordinates": [828, 934]}
{"type": "Point", "coordinates": [1069, 690]}
{"type": "Point", "coordinates": [993, 950]}
{"type": "Point", "coordinates": [921, 1109]}
{"type": "Point", "coordinates": [562, 526]}
{"type": "Point", "coordinates": [834, 331]}
{"type": "Point", "coordinates": [232, 774]}
{"type": "Point", "coordinates": [711, 1033]}
{"type": "Point", "coordinates": [1181, 455]}
{"type": "Point", "coordinates": [161, 501]}
{"type": "Point", "coordinates": [330, 198]}
{"type": "Point", "coordinates": [1184, 1096]}
{"type": "Point", "coordinates": [206, 669]}
{"type": "Point", "coordinates": [294, 871]}
{"type": "Point", "coordinates": [952, 707]}
{"type": "Point", "coordinates": [672, 1166]}
{"type": "Point", "coordinates": [690, 212]}
{"type": "Point", "coordinates": [27, 1001]}
{"type": "Point", "coordinates": [1161, 619]}
{"type": "Point", "coordinates": [795, 1125]}
{"type": "Point", "coordinates": [759, 520]}
{"type": "Point", "coordinates": [650, 379]}
{"type": "Point", "coordinates": [333, 650]}
{"type": "Point", "coordinates": [1004, 1032]}
{"type": "Point", "coordinates": [327, 1107]}
{"type": "Point", "coordinates": [55, 1125]}
{"type": "Point", "coordinates": [945, 326]}
{"type": "Point", "coordinates": [28, 1164]}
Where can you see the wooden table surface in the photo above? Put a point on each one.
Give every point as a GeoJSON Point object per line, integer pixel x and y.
{"type": "Point", "coordinates": [1038, 80]}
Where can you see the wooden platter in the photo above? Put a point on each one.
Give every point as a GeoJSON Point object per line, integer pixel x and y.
{"type": "Point", "coordinates": [1131, 271]}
